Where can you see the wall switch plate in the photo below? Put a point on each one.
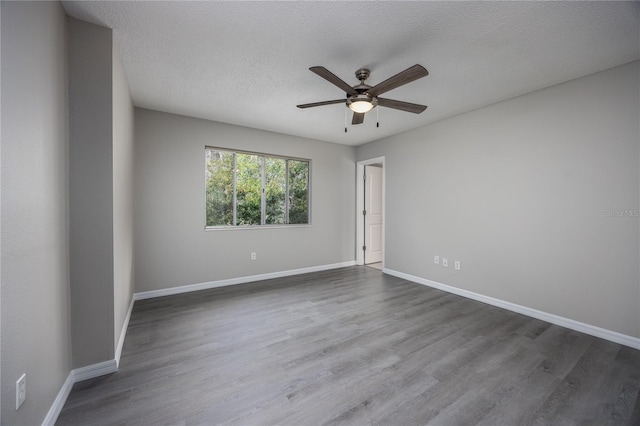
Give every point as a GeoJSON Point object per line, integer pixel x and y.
{"type": "Point", "coordinates": [436, 260]}
{"type": "Point", "coordinates": [445, 262]}
{"type": "Point", "coordinates": [457, 265]}
{"type": "Point", "coordinates": [253, 255]}
{"type": "Point", "coordinates": [21, 390]}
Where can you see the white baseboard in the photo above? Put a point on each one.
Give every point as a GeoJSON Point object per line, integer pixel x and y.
{"type": "Point", "coordinates": [58, 403]}
{"type": "Point", "coordinates": [592, 330]}
{"type": "Point", "coordinates": [85, 373]}
{"type": "Point", "coordinates": [75, 376]}
{"type": "Point", "coordinates": [95, 370]}
{"type": "Point", "coordinates": [240, 280]}
{"type": "Point", "coordinates": [123, 332]}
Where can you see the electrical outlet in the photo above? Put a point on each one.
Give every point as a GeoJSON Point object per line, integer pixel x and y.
{"type": "Point", "coordinates": [445, 262]}
{"type": "Point", "coordinates": [457, 265]}
{"type": "Point", "coordinates": [21, 390]}
{"type": "Point", "coordinates": [253, 255]}
{"type": "Point", "coordinates": [436, 260]}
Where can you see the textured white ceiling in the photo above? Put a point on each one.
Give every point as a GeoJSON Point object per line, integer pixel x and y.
{"type": "Point", "coordinates": [246, 63]}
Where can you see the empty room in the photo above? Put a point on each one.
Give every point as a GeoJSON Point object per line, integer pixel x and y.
{"type": "Point", "coordinates": [320, 212]}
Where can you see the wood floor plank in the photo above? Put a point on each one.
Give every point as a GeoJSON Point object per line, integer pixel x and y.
{"type": "Point", "coordinates": [353, 346]}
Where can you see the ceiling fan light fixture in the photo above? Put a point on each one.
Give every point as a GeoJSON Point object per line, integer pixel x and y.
{"type": "Point", "coordinates": [361, 106]}
{"type": "Point", "coordinates": [361, 103]}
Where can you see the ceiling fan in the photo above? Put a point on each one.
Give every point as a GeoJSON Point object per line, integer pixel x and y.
{"type": "Point", "coordinates": [362, 98]}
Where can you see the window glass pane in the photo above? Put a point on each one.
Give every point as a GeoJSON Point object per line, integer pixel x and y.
{"type": "Point", "coordinates": [219, 187]}
{"type": "Point", "coordinates": [248, 189]}
{"type": "Point", "coordinates": [298, 191]}
{"type": "Point", "coordinates": [275, 189]}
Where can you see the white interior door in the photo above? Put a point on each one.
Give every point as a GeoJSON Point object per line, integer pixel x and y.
{"type": "Point", "coordinates": [373, 214]}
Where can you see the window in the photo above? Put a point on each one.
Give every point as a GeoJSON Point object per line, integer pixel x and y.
{"type": "Point", "coordinates": [247, 189]}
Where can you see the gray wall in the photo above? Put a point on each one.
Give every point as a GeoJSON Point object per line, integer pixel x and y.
{"type": "Point", "coordinates": [36, 336]}
{"type": "Point", "coordinates": [519, 192]}
{"type": "Point", "coordinates": [172, 247]}
{"type": "Point", "coordinates": [66, 219]}
{"type": "Point", "coordinates": [101, 123]}
{"type": "Point", "coordinates": [123, 125]}
{"type": "Point", "coordinates": [91, 192]}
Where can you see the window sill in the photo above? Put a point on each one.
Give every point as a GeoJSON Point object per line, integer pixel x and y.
{"type": "Point", "coordinates": [252, 227]}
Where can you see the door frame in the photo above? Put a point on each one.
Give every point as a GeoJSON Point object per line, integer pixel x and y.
{"type": "Point", "coordinates": [360, 191]}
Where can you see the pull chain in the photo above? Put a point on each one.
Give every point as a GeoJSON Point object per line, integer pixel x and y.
{"type": "Point", "coordinates": [345, 120]}
{"type": "Point", "coordinates": [377, 117]}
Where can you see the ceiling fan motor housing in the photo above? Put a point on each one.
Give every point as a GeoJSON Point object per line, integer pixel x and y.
{"type": "Point", "coordinates": [362, 74]}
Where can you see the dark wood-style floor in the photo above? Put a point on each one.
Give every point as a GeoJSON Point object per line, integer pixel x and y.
{"type": "Point", "coordinates": [354, 346]}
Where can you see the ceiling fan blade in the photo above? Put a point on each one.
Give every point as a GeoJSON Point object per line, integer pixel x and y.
{"type": "Point", "coordinates": [403, 106]}
{"type": "Point", "coordinates": [334, 79]}
{"type": "Point", "coordinates": [358, 118]}
{"type": "Point", "coordinates": [407, 76]}
{"type": "Point", "coordinates": [315, 104]}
